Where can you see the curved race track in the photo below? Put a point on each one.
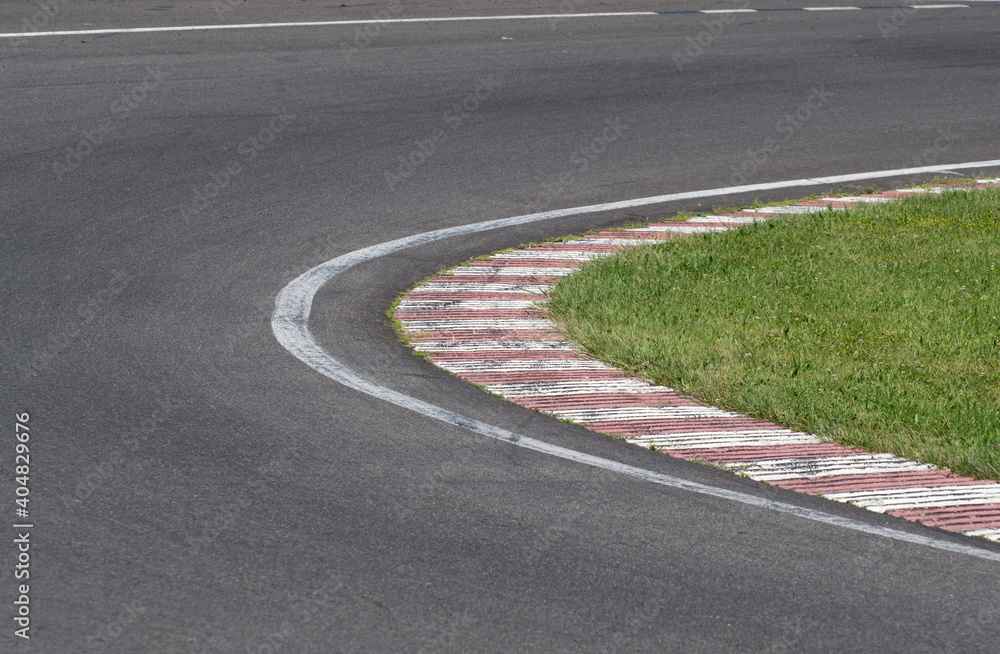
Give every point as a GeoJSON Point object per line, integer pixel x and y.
{"type": "Point", "coordinates": [195, 488]}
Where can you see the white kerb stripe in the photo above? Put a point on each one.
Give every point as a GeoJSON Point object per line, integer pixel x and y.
{"type": "Point", "coordinates": [925, 497]}
{"type": "Point", "coordinates": [452, 325]}
{"type": "Point", "coordinates": [465, 305]}
{"type": "Point", "coordinates": [525, 271]}
{"type": "Point", "coordinates": [571, 255]}
{"type": "Point", "coordinates": [522, 365]}
{"type": "Point", "coordinates": [554, 389]}
{"type": "Point", "coordinates": [808, 468]}
{"type": "Point", "coordinates": [727, 219]}
{"type": "Point", "coordinates": [477, 346]}
{"type": "Point", "coordinates": [792, 208]}
{"type": "Point", "coordinates": [683, 229]}
{"type": "Point", "coordinates": [857, 199]}
{"type": "Point", "coordinates": [720, 439]}
{"type": "Point", "coordinates": [991, 534]}
{"type": "Point", "coordinates": [644, 413]}
{"type": "Point", "coordinates": [626, 242]}
{"type": "Point", "coordinates": [454, 287]}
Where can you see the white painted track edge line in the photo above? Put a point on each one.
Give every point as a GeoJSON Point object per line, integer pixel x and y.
{"type": "Point", "coordinates": [293, 305]}
{"type": "Point", "coordinates": [322, 23]}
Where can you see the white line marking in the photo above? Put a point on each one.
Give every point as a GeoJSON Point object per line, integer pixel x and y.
{"type": "Point", "coordinates": [290, 325]}
{"type": "Point", "coordinates": [376, 21]}
{"type": "Point", "coordinates": [322, 23]}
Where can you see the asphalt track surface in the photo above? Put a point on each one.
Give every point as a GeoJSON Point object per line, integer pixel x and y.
{"type": "Point", "coordinates": [195, 488]}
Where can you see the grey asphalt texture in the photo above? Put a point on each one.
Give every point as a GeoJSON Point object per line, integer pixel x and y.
{"type": "Point", "coordinates": [195, 488]}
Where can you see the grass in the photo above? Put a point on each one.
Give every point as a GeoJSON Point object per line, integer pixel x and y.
{"type": "Point", "coordinates": [877, 327]}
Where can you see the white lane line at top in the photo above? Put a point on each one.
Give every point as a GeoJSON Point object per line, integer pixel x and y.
{"type": "Point", "coordinates": [322, 23]}
{"type": "Point", "coordinates": [290, 325]}
{"type": "Point", "coordinates": [388, 21]}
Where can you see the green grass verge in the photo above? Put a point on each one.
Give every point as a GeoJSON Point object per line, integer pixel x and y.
{"type": "Point", "coordinates": [877, 327]}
